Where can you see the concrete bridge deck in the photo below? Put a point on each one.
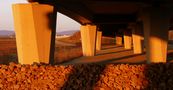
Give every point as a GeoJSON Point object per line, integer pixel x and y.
{"type": "Point", "coordinates": [117, 54]}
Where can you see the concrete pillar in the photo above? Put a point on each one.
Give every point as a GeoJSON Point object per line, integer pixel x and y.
{"type": "Point", "coordinates": [156, 24]}
{"type": "Point", "coordinates": [119, 39]}
{"type": "Point", "coordinates": [99, 40]}
{"type": "Point", "coordinates": [33, 32]}
{"type": "Point", "coordinates": [137, 38]}
{"type": "Point", "coordinates": [88, 37]}
{"type": "Point", "coordinates": [127, 39]}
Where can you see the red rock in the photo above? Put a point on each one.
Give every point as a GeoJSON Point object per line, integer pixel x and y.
{"type": "Point", "coordinates": [1, 86]}
{"type": "Point", "coordinates": [23, 69]}
{"type": "Point", "coordinates": [16, 86]}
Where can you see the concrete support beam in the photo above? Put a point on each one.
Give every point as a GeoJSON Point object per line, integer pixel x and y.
{"type": "Point", "coordinates": [88, 37]}
{"type": "Point", "coordinates": [33, 32]}
{"type": "Point", "coordinates": [118, 39]}
{"type": "Point", "coordinates": [127, 39]}
{"type": "Point", "coordinates": [156, 24]}
{"type": "Point", "coordinates": [137, 37]}
{"type": "Point", "coordinates": [99, 40]}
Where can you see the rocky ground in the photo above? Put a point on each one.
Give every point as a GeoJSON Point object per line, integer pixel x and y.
{"type": "Point", "coordinates": [86, 77]}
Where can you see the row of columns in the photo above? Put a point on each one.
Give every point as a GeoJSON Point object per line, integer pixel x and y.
{"type": "Point", "coordinates": [90, 39]}
{"type": "Point", "coordinates": [155, 27]}
{"type": "Point", "coordinates": [155, 39]}
{"type": "Point", "coordinates": [133, 37]}
{"type": "Point", "coordinates": [34, 34]}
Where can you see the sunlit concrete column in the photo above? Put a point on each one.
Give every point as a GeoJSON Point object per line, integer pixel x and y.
{"type": "Point", "coordinates": [119, 37]}
{"type": "Point", "coordinates": [156, 22]}
{"type": "Point", "coordinates": [32, 24]}
{"type": "Point", "coordinates": [99, 40]}
{"type": "Point", "coordinates": [88, 38]}
{"type": "Point", "coordinates": [127, 39]}
{"type": "Point", "coordinates": [137, 37]}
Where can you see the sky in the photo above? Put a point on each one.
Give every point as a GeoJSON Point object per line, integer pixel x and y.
{"type": "Point", "coordinates": [64, 23]}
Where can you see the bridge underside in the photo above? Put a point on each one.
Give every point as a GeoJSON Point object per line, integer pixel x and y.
{"type": "Point", "coordinates": [131, 22]}
{"type": "Point", "coordinates": [104, 13]}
